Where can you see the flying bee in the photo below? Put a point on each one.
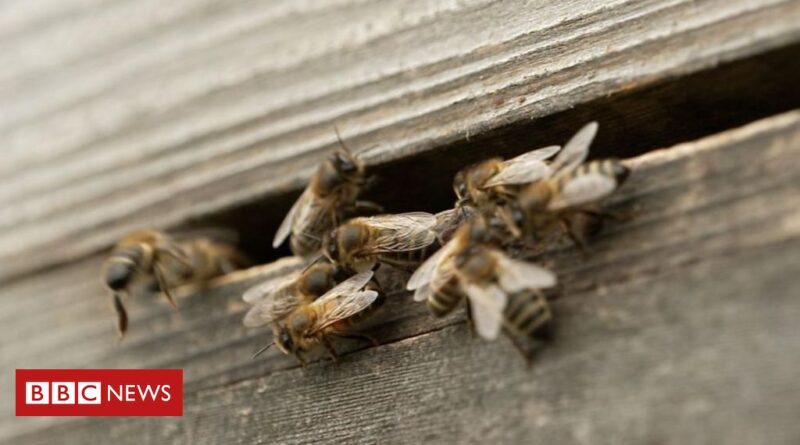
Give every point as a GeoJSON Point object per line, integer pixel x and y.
{"type": "Point", "coordinates": [572, 191]}
{"type": "Point", "coordinates": [330, 194]}
{"type": "Point", "coordinates": [469, 267]}
{"type": "Point", "coordinates": [333, 314]}
{"type": "Point", "coordinates": [403, 241]}
{"type": "Point", "coordinates": [494, 181]}
{"type": "Point", "coordinates": [163, 262]}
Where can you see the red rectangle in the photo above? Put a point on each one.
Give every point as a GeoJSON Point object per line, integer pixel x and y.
{"type": "Point", "coordinates": [99, 392]}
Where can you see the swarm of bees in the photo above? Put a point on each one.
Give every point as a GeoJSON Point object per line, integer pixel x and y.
{"type": "Point", "coordinates": [468, 254]}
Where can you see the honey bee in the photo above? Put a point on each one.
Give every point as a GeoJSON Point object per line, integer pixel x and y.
{"type": "Point", "coordinates": [273, 301]}
{"type": "Point", "coordinates": [331, 193]}
{"type": "Point", "coordinates": [493, 181]}
{"type": "Point", "coordinates": [163, 262]}
{"type": "Point", "coordinates": [469, 267]}
{"type": "Point", "coordinates": [333, 314]}
{"type": "Point", "coordinates": [401, 240]}
{"type": "Point", "coordinates": [571, 191]}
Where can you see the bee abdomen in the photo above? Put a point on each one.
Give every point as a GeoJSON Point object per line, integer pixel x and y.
{"type": "Point", "coordinates": [410, 259]}
{"type": "Point", "coordinates": [443, 300]}
{"type": "Point", "coordinates": [528, 313]}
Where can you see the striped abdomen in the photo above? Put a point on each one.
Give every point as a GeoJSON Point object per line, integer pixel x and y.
{"type": "Point", "coordinates": [527, 314]}
{"type": "Point", "coordinates": [410, 259]}
{"type": "Point", "coordinates": [443, 300]}
{"type": "Point", "coordinates": [606, 167]}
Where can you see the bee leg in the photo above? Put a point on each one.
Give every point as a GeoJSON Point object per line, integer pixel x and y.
{"type": "Point", "coordinates": [162, 283]}
{"type": "Point", "coordinates": [576, 239]}
{"type": "Point", "coordinates": [300, 359]}
{"type": "Point", "coordinates": [359, 336]}
{"type": "Point", "coordinates": [368, 182]}
{"type": "Point", "coordinates": [472, 332]}
{"type": "Point", "coordinates": [122, 316]}
{"type": "Point", "coordinates": [329, 346]}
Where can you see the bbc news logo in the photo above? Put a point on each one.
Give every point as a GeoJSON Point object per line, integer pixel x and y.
{"type": "Point", "coordinates": [99, 392]}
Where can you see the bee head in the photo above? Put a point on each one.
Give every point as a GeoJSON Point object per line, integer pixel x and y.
{"type": "Point", "coordinates": [344, 163]}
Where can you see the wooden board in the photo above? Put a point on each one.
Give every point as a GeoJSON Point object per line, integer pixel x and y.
{"type": "Point", "coordinates": [679, 327]}
{"type": "Point", "coordinates": [123, 114]}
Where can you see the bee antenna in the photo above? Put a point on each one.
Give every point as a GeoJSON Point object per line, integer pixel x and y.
{"type": "Point", "coordinates": [261, 351]}
{"type": "Point", "coordinates": [341, 142]}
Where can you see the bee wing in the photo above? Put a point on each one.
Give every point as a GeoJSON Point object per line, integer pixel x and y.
{"type": "Point", "coordinates": [487, 305]}
{"type": "Point", "coordinates": [300, 210]}
{"type": "Point", "coordinates": [583, 189]}
{"type": "Point", "coordinates": [515, 275]}
{"type": "Point", "coordinates": [422, 292]}
{"type": "Point", "coordinates": [345, 306]}
{"type": "Point", "coordinates": [576, 149]}
{"type": "Point", "coordinates": [404, 231]}
{"type": "Point", "coordinates": [525, 168]}
{"type": "Point", "coordinates": [426, 271]}
{"type": "Point", "coordinates": [216, 234]}
{"type": "Point", "coordinates": [271, 308]}
{"type": "Point", "coordinates": [520, 173]}
{"type": "Point", "coordinates": [348, 286]}
{"type": "Point", "coordinates": [268, 288]}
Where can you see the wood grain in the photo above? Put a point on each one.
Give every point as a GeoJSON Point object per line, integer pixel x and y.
{"type": "Point", "coordinates": [113, 119]}
{"type": "Point", "coordinates": [679, 327]}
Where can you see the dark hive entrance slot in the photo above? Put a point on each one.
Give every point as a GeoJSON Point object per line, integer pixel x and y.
{"type": "Point", "coordinates": [631, 123]}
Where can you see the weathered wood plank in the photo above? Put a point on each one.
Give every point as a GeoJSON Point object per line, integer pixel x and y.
{"type": "Point", "coordinates": [684, 315]}
{"type": "Point", "coordinates": [255, 94]}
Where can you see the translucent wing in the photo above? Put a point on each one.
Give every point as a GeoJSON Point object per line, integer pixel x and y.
{"type": "Point", "coordinates": [422, 292]}
{"type": "Point", "coordinates": [401, 232]}
{"type": "Point", "coordinates": [582, 190]}
{"type": "Point", "coordinates": [348, 286]}
{"type": "Point", "coordinates": [273, 307]}
{"type": "Point", "coordinates": [576, 149]}
{"type": "Point", "coordinates": [270, 287]}
{"type": "Point", "coordinates": [425, 272]}
{"type": "Point", "coordinates": [515, 275]}
{"type": "Point", "coordinates": [525, 168]}
{"type": "Point", "coordinates": [299, 211]}
{"type": "Point", "coordinates": [345, 306]}
{"type": "Point", "coordinates": [487, 305]}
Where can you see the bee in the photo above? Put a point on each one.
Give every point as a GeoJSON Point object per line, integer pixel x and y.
{"type": "Point", "coordinates": [494, 181]}
{"type": "Point", "coordinates": [330, 194]}
{"type": "Point", "coordinates": [333, 314]}
{"type": "Point", "coordinates": [162, 262]}
{"type": "Point", "coordinates": [470, 268]}
{"type": "Point", "coordinates": [403, 241]}
{"type": "Point", "coordinates": [572, 191]}
{"type": "Point", "coordinates": [273, 301]}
